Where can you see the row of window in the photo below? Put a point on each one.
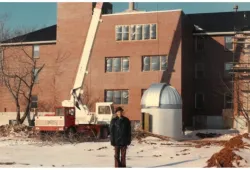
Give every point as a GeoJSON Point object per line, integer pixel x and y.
{"type": "Point", "coordinates": [136, 32]}
{"type": "Point", "coordinates": [200, 69]}
{"type": "Point", "coordinates": [149, 63]}
{"type": "Point", "coordinates": [122, 97]}
{"type": "Point", "coordinates": [228, 43]}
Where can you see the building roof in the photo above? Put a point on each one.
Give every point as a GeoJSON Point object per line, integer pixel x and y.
{"type": "Point", "coordinates": [44, 34]}
{"type": "Point", "coordinates": [221, 22]}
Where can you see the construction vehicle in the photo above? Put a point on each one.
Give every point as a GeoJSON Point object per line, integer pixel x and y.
{"type": "Point", "coordinates": [73, 116]}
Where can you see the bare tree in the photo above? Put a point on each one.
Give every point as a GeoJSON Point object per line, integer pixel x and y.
{"type": "Point", "coordinates": [18, 70]}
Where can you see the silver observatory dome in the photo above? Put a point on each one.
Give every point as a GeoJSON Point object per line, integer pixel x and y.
{"type": "Point", "coordinates": [161, 95]}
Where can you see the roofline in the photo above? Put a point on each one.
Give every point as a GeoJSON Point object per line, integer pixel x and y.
{"type": "Point", "coordinates": [221, 33]}
{"type": "Point", "coordinates": [141, 12]}
{"type": "Point", "coordinates": [28, 43]}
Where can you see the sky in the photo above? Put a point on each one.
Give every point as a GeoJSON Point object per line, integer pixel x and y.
{"type": "Point", "coordinates": [37, 15]}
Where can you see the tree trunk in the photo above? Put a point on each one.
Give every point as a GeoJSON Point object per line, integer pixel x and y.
{"type": "Point", "coordinates": [18, 115]}
{"type": "Point", "coordinates": [248, 126]}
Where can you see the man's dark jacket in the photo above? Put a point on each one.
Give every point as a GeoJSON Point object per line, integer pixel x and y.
{"type": "Point", "coordinates": [120, 131]}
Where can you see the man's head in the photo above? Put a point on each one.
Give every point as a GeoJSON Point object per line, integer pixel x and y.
{"type": "Point", "coordinates": [119, 111]}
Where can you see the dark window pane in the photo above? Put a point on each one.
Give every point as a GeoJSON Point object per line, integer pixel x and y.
{"type": "Point", "coordinates": [117, 97]}
{"type": "Point", "coordinates": [108, 65]}
{"type": "Point", "coordinates": [199, 43]}
{"type": "Point", "coordinates": [153, 31]}
{"type": "Point", "coordinates": [125, 36]}
{"type": "Point", "coordinates": [146, 64]}
{"type": "Point", "coordinates": [146, 31]}
{"type": "Point", "coordinates": [164, 63]}
{"type": "Point", "coordinates": [125, 31]}
{"type": "Point", "coordinates": [34, 101]}
{"type": "Point", "coordinates": [138, 32]}
{"type": "Point", "coordinates": [125, 64]}
{"type": "Point", "coordinates": [199, 101]}
{"type": "Point", "coordinates": [125, 97]}
{"type": "Point", "coordinates": [228, 43]}
{"type": "Point", "coordinates": [155, 63]}
{"type": "Point", "coordinates": [109, 96]}
{"type": "Point", "coordinates": [118, 36]}
{"type": "Point", "coordinates": [132, 32]}
{"type": "Point", "coordinates": [116, 64]}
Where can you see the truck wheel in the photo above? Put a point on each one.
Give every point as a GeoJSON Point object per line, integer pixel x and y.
{"type": "Point", "coordinates": [102, 133]}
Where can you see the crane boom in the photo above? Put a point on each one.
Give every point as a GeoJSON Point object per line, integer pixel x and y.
{"type": "Point", "coordinates": [86, 53]}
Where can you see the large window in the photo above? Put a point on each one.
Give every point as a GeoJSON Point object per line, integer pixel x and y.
{"type": "Point", "coordinates": [36, 50]}
{"type": "Point", "coordinates": [34, 101]}
{"type": "Point", "coordinates": [154, 63]}
{"type": "Point", "coordinates": [228, 101]}
{"type": "Point", "coordinates": [136, 32]}
{"type": "Point", "coordinates": [228, 43]}
{"type": "Point", "coordinates": [199, 100]}
{"type": "Point", "coordinates": [117, 96]}
{"type": "Point", "coordinates": [199, 70]}
{"type": "Point", "coordinates": [117, 64]}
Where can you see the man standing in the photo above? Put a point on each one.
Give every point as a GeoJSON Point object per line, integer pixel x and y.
{"type": "Point", "coordinates": [120, 136]}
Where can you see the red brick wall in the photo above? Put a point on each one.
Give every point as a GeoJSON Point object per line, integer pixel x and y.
{"type": "Point", "coordinates": [43, 87]}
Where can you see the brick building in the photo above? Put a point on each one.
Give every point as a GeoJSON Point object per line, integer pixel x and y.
{"type": "Point", "coordinates": [133, 50]}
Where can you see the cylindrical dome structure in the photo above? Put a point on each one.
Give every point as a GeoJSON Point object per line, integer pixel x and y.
{"type": "Point", "coordinates": [164, 105]}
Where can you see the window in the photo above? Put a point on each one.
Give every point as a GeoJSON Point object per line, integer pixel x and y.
{"type": "Point", "coordinates": [227, 69]}
{"type": "Point", "coordinates": [154, 63]}
{"type": "Point", "coordinates": [228, 43]}
{"type": "Point", "coordinates": [135, 32]}
{"type": "Point", "coordinates": [199, 70]}
{"type": "Point", "coordinates": [36, 51]}
{"type": "Point", "coordinates": [199, 100]}
{"type": "Point", "coordinates": [34, 101]}
{"type": "Point", "coordinates": [104, 110]}
{"type": "Point", "coordinates": [122, 33]}
{"type": "Point", "coordinates": [228, 101]}
{"type": "Point", "coordinates": [199, 46]}
{"type": "Point", "coordinates": [117, 96]}
{"type": "Point", "coordinates": [117, 64]}
{"type": "Point", "coordinates": [36, 74]}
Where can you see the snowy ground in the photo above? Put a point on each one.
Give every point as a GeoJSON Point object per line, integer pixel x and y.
{"type": "Point", "coordinates": [153, 153]}
{"type": "Point", "coordinates": [26, 154]}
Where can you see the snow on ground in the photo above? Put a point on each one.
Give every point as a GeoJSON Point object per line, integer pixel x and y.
{"type": "Point", "coordinates": [101, 154]}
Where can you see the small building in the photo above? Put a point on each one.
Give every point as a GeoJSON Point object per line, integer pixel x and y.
{"type": "Point", "coordinates": [163, 104]}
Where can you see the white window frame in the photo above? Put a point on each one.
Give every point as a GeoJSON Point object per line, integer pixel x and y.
{"type": "Point", "coordinates": [122, 70]}
{"type": "Point", "coordinates": [34, 50]}
{"type": "Point", "coordinates": [150, 62]}
{"type": "Point", "coordinates": [199, 93]}
{"type": "Point", "coordinates": [196, 70]}
{"type": "Point", "coordinates": [121, 91]}
{"type": "Point", "coordinates": [130, 32]}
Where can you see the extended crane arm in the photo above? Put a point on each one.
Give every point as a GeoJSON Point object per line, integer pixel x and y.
{"type": "Point", "coordinates": [80, 76]}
